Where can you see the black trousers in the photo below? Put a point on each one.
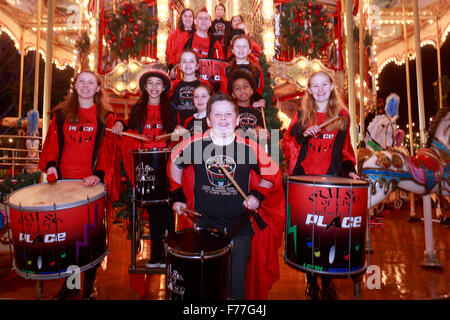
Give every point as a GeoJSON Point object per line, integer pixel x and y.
{"type": "Point", "coordinates": [241, 255]}
{"type": "Point", "coordinates": [161, 218]}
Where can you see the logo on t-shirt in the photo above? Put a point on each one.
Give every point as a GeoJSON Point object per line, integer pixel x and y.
{"type": "Point", "coordinates": [215, 175]}
{"type": "Point", "coordinates": [220, 29]}
{"type": "Point", "coordinates": [84, 131]}
{"type": "Point", "coordinates": [185, 94]}
{"type": "Point", "coordinates": [247, 121]}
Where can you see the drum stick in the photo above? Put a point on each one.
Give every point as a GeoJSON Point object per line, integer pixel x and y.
{"type": "Point", "coordinates": [259, 221]}
{"type": "Point", "coordinates": [329, 121]}
{"type": "Point", "coordinates": [238, 188]}
{"type": "Point", "coordinates": [131, 135]}
{"type": "Point", "coordinates": [195, 213]}
{"type": "Point", "coordinates": [164, 136]}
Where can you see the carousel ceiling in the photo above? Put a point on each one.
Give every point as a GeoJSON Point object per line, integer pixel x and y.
{"type": "Point", "coordinates": [387, 30]}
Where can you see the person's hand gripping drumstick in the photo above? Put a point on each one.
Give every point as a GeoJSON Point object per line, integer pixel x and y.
{"type": "Point", "coordinates": [313, 131]}
{"type": "Point", "coordinates": [250, 202]}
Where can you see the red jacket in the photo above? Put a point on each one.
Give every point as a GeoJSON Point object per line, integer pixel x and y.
{"type": "Point", "coordinates": [291, 148]}
{"type": "Point", "coordinates": [263, 266]}
{"type": "Point", "coordinates": [174, 46]}
{"type": "Point", "coordinates": [103, 154]}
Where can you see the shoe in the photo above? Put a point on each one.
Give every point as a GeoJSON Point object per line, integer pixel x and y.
{"type": "Point", "coordinates": [66, 294]}
{"type": "Point", "coordinates": [312, 291]}
{"type": "Point", "coordinates": [154, 263]}
{"type": "Point", "coordinates": [328, 291]}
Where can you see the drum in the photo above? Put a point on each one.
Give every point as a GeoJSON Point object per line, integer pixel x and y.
{"type": "Point", "coordinates": [209, 70]}
{"type": "Point", "coordinates": [197, 264]}
{"type": "Point", "coordinates": [150, 176]}
{"type": "Point", "coordinates": [57, 226]}
{"type": "Point", "coordinates": [326, 221]}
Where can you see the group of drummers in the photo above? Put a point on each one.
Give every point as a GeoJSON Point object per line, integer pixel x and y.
{"type": "Point", "coordinates": [215, 140]}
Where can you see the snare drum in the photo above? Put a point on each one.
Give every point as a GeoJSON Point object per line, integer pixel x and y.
{"type": "Point", "coordinates": [150, 176]}
{"type": "Point", "coordinates": [326, 221]}
{"type": "Point", "coordinates": [197, 264]}
{"type": "Point", "coordinates": [57, 225]}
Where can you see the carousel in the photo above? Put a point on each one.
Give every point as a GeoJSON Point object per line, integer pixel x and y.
{"type": "Point", "coordinates": [119, 40]}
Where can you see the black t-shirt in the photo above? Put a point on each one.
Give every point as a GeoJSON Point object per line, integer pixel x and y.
{"type": "Point", "coordinates": [195, 125]}
{"type": "Point", "coordinates": [215, 196]}
{"type": "Point", "coordinates": [249, 118]}
{"type": "Point", "coordinates": [182, 99]}
{"type": "Point", "coordinates": [219, 28]}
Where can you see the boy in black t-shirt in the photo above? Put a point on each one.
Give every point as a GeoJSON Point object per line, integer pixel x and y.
{"type": "Point", "coordinates": [216, 198]}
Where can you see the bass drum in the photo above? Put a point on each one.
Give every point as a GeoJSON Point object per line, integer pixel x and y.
{"type": "Point", "coordinates": [326, 222]}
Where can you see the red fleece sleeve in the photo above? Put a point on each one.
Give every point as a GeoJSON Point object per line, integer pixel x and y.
{"type": "Point", "coordinates": [50, 149]}
{"type": "Point", "coordinates": [290, 146]}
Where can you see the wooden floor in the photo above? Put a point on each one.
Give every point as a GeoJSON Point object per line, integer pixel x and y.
{"type": "Point", "coordinates": [398, 249]}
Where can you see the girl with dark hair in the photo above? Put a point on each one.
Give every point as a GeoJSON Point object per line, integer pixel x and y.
{"type": "Point", "coordinates": [151, 116]}
{"type": "Point", "coordinates": [74, 148]}
{"type": "Point", "coordinates": [177, 38]}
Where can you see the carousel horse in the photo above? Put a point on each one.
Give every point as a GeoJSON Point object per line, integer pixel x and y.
{"type": "Point", "coordinates": [381, 134]}
{"type": "Point", "coordinates": [425, 173]}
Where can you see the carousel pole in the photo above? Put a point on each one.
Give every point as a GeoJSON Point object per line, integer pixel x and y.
{"type": "Point", "coordinates": [351, 71]}
{"type": "Point", "coordinates": [430, 259]}
{"type": "Point", "coordinates": [438, 52]}
{"type": "Point", "coordinates": [48, 67]}
{"type": "Point", "coordinates": [361, 71]}
{"type": "Point", "coordinates": [22, 62]}
{"type": "Point", "coordinates": [412, 213]}
{"type": "Point", "coordinates": [36, 64]}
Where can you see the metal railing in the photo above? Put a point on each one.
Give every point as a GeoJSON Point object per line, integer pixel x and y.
{"type": "Point", "coordinates": [20, 156]}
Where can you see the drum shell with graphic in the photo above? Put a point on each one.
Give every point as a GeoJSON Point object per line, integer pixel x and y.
{"type": "Point", "coordinates": [55, 226]}
{"type": "Point", "coordinates": [326, 220]}
{"type": "Point", "coordinates": [197, 265]}
{"type": "Point", "coordinates": [150, 175]}
{"type": "Point", "coordinates": [209, 70]}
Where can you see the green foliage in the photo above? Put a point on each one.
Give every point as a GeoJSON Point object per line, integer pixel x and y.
{"type": "Point", "coordinates": [11, 184]}
{"type": "Point", "coordinates": [305, 25]}
{"type": "Point", "coordinates": [270, 112]}
{"type": "Point", "coordinates": [128, 30]}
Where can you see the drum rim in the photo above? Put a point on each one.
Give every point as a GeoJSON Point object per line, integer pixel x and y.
{"type": "Point", "coordinates": [64, 206]}
{"type": "Point", "coordinates": [364, 185]}
{"type": "Point", "coordinates": [59, 275]}
{"type": "Point", "coordinates": [207, 254]}
{"type": "Point", "coordinates": [150, 150]}
{"type": "Point", "coordinates": [334, 274]}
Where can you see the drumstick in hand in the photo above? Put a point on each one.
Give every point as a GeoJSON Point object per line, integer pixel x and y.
{"type": "Point", "coordinates": [330, 121]}
{"type": "Point", "coordinates": [136, 136]}
{"type": "Point", "coordinates": [238, 188]}
{"type": "Point", "coordinates": [195, 213]}
{"type": "Point", "coordinates": [164, 136]}
{"type": "Point", "coordinates": [259, 221]}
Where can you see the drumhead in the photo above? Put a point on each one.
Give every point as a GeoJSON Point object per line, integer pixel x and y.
{"type": "Point", "coordinates": [328, 180]}
{"type": "Point", "coordinates": [151, 150]}
{"type": "Point", "coordinates": [63, 193]}
{"type": "Point", "coordinates": [191, 242]}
